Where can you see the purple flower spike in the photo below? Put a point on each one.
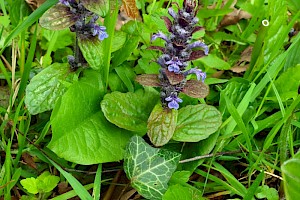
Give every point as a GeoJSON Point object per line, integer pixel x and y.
{"type": "Point", "coordinates": [160, 35]}
{"type": "Point", "coordinates": [199, 44]}
{"type": "Point", "coordinates": [173, 102]}
{"type": "Point", "coordinates": [174, 68]}
{"type": "Point", "coordinates": [100, 31]}
{"type": "Point", "coordinates": [199, 73]}
{"type": "Point", "coordinates": [172, 13]}
{"type": "Point", "coordinates": [64, 2]}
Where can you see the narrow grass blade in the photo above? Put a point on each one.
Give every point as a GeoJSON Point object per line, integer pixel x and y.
{"type": "Point", "coordinates": [76, 185]}
{"type": "Point", "coordinates": [97, 183]}
{"type": "Point", "coordinates": [252, 189]}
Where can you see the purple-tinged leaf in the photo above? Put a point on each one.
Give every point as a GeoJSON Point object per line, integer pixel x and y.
{"type": "Point", "coordinates": [100, 7]}
{"type": "Point", "coordinates": [167, 22]}
{"type": "Point", "coordinates": [161, 125]}
{"type": "Point", "coordinates": [162, 49]}
{"type": "Point", "coordinates": [148, 80]}
{"type": "Point", "coordinates": [196, 54]}
{"type": "Point", "coordinates": [183, 22]}
{"type": "Point", "coordinates": [195, 89]}
{"type": "Point", "coordinates": [197, 28]}
{"type": "Point", "coordinates": [174, 78]}
{"type": "Point", "coordinates": [58, 17]}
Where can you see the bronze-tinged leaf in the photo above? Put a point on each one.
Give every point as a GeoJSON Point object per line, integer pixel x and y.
{"type": "Point", "coordinates": [183, 22]}
{"type": "Point", "coordinates": [195, 89]}
{"type": "Point", "coordinates": [148, 80]}
{"type": "Point", "coordinates": [167, 22]}
{"type": "Point", "coordinates": [197, 28]}
{"type": "Point", "coordinates": [174, 78]}
{"type": "Point", "coordinates": [196, 54]}
{"type": "Point", "coordinates": [57, 18]}
{"type": "Point", "coordinates": [130, 8]}
{"type": "Point", "coordinates": [161, 125]}
{"type": "Point", "coordinates": [162, 49]}
{"type": "Point", "coordinates": [100, 7]}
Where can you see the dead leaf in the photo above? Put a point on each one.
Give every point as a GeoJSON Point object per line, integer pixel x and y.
{"type": "Point", "coordinates": [29, 160]}
{"type": "Point", "coordinates": [34, 4]}
{"type": "Point", "coordinates": [243, 63]}
{"type": "Point", "coordinates": [130, 8]}
{"type": "Point", "coordinates": [234, 17]}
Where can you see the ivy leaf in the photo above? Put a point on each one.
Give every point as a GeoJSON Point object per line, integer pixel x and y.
{"type": "Point", "coordinates": [130, 8]}
{"type": "Point", "coordinates": [80, 132]}
{"type": "Point", "coordinates": [45, 88]}
{"type": "Point", "coordinates": [58, 17]}
{"type": "Point", "coordinates": [161, 125]}
{"type": "Point", "coordinates": [100, 7]}
{"type": "Point", "coordinates": [196, 122]}
{"type": "Point", "coordinates": [148, 168]}
{"type": "Point", "coordinates": [130, 110]}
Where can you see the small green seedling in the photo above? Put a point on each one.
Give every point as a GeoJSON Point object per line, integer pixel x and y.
{"type": "Point", "coordinates": [42, 185]}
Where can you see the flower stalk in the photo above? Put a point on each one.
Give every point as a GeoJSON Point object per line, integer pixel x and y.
{"type": "Point", "coordinates": [178, 51]}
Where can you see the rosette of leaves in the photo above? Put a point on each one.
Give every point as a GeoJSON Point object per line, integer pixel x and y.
{"type": "Point", "coordinates": [191, 123]}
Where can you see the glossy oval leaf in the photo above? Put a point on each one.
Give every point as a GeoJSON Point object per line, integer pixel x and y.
{"type": "Point", "coordinates": [149, 169]}
{"type": "Point", "coordinates": [196, 89]}
{"type": "Point", "coordinates": [291, 177]}
{"type": "Point", "coordinates": [45, 88]}
{"type": "Point", "coordinates": [80, 132]}
{"type": "Point", "coordinates": [57, 18]}
{"type": "Point", "coordinates": [196, 122]}
{"type": "Point", "coordinates": [100, 7]}
{"type": "Point", "coordinates": [130, 110]}
{"type": "Point", "coordinates": [180, 192]}
{"type": "Point", "coordinates": [92, 51]}
{"type": "Point", "coordinates": [161, 125]}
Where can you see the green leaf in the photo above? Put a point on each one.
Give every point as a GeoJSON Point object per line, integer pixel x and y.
{"type": "Point", "coordinates": [92, 51]}
{"type": "Point", "coordinates": [130, 110]}
{"type": "Point", "coordinates": [81, 134]}
{"type": "Point", "coordinates": [180, 192]}
{"type": "Point", "coordinates": [161, 125]}
{"type": "Point", "coordinates": [291, 177]}
{"type": "Point", "coordinates": [47, 182]}
{"type": "Point", "coordinates": [127, 75]}
{"type": "Point", "coordinates": [212, 61]}
{"type": "Point", "coordinates": [30, 184]}
{"type": "Point", "coordinates": [57, 18]}
{"type": "Point", "coordinates": [277, 30]}
{"type": "Point", "coordinates": [287, 84]}
{"type": "Point", "coordinates": [100, 7]}
{"type": "Point", "coordinates": [267, 192]}
{"type": "Point", "coordinates": [235, 90]}
{"type": "Point", "coordinates": [148, 168]}
{"type": "Point", "coordinates": [64, 38]}
{"type": "Point", "coordinates": [180, 177]}
{"type": "Point", "coordinates": [196, 122]}
{"type": "Point", "coordinates": [118, 40]}
{"type": "Point", "coordinates": [115, 83]}
{"type": "Point", "coordinates": [45, 88]}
